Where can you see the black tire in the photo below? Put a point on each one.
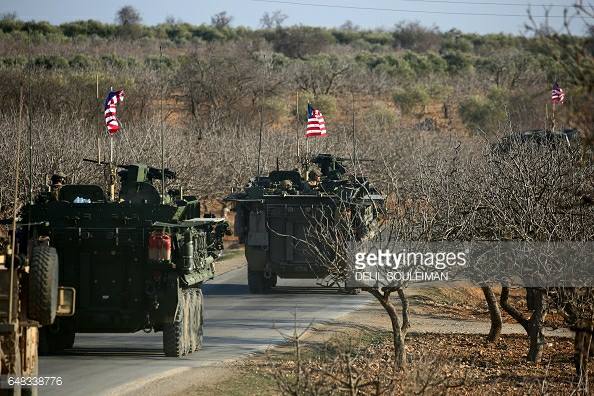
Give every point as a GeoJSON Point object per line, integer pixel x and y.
{"type": "Point", "coordinates": [57, 337]}
{"type": "Point", "coordinates": [174, 335]}
{"type": "Point", "coordinates": [200, 321]}
{"type": "Point", "coordinates": [196, 320]}
{"type": "Point", "coordinates": [43, 285]}
{"type": "Point", "coordinates": [193, 320]}
{"type": "Point", "coordinates": [257, 283]}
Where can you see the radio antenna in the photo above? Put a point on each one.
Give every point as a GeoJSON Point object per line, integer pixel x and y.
{"type": "Point", "coordinates": [162, 139]}
{"type": "Point", "coordinates": [15, 206]}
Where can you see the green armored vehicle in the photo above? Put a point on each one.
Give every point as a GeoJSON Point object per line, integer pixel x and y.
{"type": "Point", "coordinates": [278, 217]}
{"type": "Point", "coordinates": [137, 262]}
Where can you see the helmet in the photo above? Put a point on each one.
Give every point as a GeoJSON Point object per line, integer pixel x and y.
{"type": "Point", "coordinates": [313, 174]}
{"type": "Point", "coordinates": [286, 184]}
{"type": "Point", "coordinates": [58, 178]}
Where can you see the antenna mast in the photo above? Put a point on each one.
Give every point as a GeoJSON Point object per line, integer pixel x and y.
{"type": "Point", "coordinates": [261, 118]}
{"type": "Point", "coordinates": [162, 140]}
{"type": "Point", "coordinates": [30, 127]}
{"type": "Point", "coordinates": [15, 206]}
{"type": "Point", "coordinates": [354, 137]}
{"type": "Point", "coordinates": [298, 129]}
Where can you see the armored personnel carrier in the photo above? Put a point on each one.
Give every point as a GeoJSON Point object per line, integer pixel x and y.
{"type": "Point", "coordinates": [278, 216]}
{"type": "Point", "coordinates": [29, 298]}
{"type": "Point", "coordinates": [136, 261]}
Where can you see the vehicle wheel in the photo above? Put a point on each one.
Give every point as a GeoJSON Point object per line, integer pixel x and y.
{"type": "Point", "coordinates": [200, 319]}
{"type": "Point", "coordinates": [273, 280]}
{"type": "Point", "coordinates": [257, 284]}
{"type": "Point", "coordinates": [43, 285]}
{"type": "Point", "coordinates": [55, 338]}
{"type": "Point", "coordinates": [175, 334]}
{"type": "Point", "coordinates": [192, 327]}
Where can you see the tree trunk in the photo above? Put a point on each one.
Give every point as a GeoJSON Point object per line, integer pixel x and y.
{"type": "Point", "coordinates": [405, 317]}
{"type": "Point", "coordinates": [495, 314]}
{"type": "Point", "coordinates": [583, 347]}
{"type": "Point", "coordinates": [397, 337]}
{"type": "Point", "coordinates": [536, 326]}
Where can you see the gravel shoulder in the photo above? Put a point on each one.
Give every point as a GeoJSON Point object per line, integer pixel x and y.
{"type": "Point", "coordinates": [435, 311]}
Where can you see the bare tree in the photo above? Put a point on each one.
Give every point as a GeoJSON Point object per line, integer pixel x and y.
{"type": "Point", "coordinates": [128, 15]}
{"type": "Point", "coordinates": [221, 20]}
{"type": "Point", "coordinates": [274, 20]}
{"type": "Point", "coordinates": [9, 16]}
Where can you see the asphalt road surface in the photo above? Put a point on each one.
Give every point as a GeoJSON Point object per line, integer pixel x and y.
{"type": "Point", "coordinates": [236, 325]}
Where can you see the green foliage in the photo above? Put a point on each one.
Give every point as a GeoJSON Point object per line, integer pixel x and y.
{"type": "Point", "coordinates": [159, 63]}
{"type": "Point", "coordinates": [82, 61]}
{"type": "Point", "coordinates": [275, 108]}
{"type": "Point", "coordinates": [50, 62]}
{"type": "Point", "coordinates": [88, 28]}
{"type": "Point", "coordinates": [457, 62]}
{"type": "Point", "coordinates": [380, 114]}
{"type": "Point", "coordinates": [411, 100]}
{"type": "Point", "coordinates": [13, 61]}
{"type": "Point", "coordinates": [300, 41]}
{"type": "Point", "coordinates": [413, 36]}
{"type": "Point", "coordinates": [485, 113]}
{"type": "Point", "coordinates": [325, 103]}
{"type": "Point", "coordinates": [118, 62]}
{"type": "Point", "coordinates": [457, 44]}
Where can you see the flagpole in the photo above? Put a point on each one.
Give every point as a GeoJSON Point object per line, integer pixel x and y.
{"type": "Point", "coordinates": [307, 138]}
{"type": "Point", "coordinates": [111, 167]}
{"type": "Point", "coordinates": [554, 120]}
{"type": "Point", "coordinates": [99, 123]}
{"type": "Point", "coordinates": [546, 116]}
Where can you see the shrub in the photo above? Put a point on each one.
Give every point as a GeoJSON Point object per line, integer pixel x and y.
{"type": "Point", "coordinates": [50, 62]}
{"type": "Point", "coordinates": [484, 113]}
{"type": "Point", "coordinates": [457, 62]}
{"type": "Point", "coordinates": [411, 100]}
{"type": "Point", "coordinates": [380, 114]}
{"type": "Point", "coordinates": [81, 61]}
{"type": "Point", "coordinates": [325, 103]}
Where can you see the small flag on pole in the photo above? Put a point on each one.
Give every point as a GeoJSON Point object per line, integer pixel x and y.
{"type": "Point", "coordinates": [557, 94]}
{"type": "Point", "coordinates": [316, 126]}
{"type": "Point", "coordinates": [111, 121]}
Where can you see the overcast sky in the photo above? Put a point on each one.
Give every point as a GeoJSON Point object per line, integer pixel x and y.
{"type": "Point", "coordinates": [249, 12]}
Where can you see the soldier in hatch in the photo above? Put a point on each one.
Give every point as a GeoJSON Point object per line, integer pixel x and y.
{"type": "Point", "coordinates": [313, 178]}
{"type": "Point", "coordinates": [57, 181]}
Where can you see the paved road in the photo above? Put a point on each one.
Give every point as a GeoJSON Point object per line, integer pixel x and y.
{"type": "Point", "coordinates": [236, 324]}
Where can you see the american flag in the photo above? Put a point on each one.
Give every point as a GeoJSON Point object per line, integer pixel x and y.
{"type": "Point", "coordinates": [112, 123]}
{"type": "Point", "coordinates": [557, 94]}
{"type": "Point", "coordinates": [316, 126]}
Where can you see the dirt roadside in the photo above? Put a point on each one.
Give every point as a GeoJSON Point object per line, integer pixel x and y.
{"type": "Point", "coordinates": [446, 311]}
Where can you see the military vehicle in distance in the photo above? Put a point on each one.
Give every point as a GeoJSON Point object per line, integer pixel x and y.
{"type": "Point", "coordinates": [276, 214]}
{"type": "Point", "coordinates": [137, 262]}
{"type": "Point", "coordinates": [29, 298]}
